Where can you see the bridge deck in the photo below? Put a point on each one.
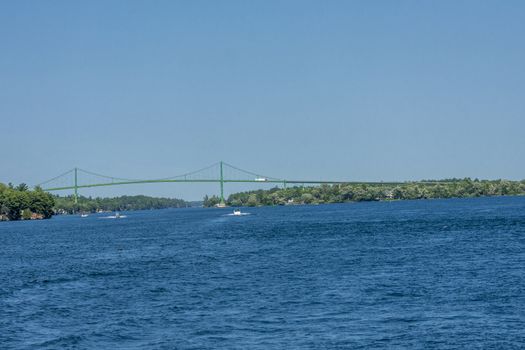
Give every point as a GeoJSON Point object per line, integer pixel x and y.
{"type": "Point", "coordinates": [282, 182]}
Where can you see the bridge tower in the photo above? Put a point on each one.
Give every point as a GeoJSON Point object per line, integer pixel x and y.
{"type": "Point", "coordinates": [222, 187]}
{"type": "Point", "coordinates": [76, 186]}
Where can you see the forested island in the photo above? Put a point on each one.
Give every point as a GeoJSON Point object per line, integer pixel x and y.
{"type": "Point", "coordinates": [449, 188]}
{"type": "Point", "coordinates": [67, 205]}
{"type": "Point", "coordinates": [21, 203]}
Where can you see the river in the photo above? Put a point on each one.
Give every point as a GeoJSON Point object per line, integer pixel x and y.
{"type": "Point", "coordinates": [406, 274]}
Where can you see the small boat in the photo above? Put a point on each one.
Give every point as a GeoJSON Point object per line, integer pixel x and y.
{"type": "Point", "coordinates": [116, 216]}
{"type": "Point", "coordinates": [84, 215]}
{"type": "Point", "coordinates": [237, 212]}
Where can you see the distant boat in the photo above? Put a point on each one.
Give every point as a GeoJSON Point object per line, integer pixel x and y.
{"type": "Point", "coordinates": [237, 212]}
{"type": "Point", "coordinates": [84, 215]}
{"type": "Point", "coordinates": [116, 216]}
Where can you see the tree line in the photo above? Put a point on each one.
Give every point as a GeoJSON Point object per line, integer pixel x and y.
{"type": "Point", "coordinates": [450, 188]}
{"type": "Point", "coordinates": [67, 205]}
{"type": "Point", "coordinates": [22, 203]}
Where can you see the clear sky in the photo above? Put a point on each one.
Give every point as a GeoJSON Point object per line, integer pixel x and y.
{"type": "Point", "coordinates": [343, 90]}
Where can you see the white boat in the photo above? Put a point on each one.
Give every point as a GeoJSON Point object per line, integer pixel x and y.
{"type": "Point", "coordinates": [116, 216]}
{"type": "Point", "coordinates": [84, 215]}
{"type": "Point", "coordinates": [237, 212]}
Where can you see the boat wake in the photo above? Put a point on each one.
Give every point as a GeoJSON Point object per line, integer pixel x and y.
{"type": "Point", "coordinates": [114, 217]}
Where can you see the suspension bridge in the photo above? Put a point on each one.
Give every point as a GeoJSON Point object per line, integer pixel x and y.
{"type": "Point", "coordinates": [219, 172]}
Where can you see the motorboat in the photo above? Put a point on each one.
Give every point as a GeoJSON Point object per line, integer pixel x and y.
{"type": "Point", "coordinates": [84, 215]}
{"type": "Point", "coordinates": [237, 212]}
{"type": "Point", "coordinates": [116, 216]}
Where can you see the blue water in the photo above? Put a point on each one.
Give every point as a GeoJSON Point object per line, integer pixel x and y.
{"type": "Point", "coordinates": [413, 274]}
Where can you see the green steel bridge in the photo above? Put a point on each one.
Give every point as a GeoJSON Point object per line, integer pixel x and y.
{"type": "Point", "coordinates": [219, 173]}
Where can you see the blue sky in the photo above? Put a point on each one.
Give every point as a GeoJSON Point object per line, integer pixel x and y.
{"type": "Point", "coordinates": [357, 90]}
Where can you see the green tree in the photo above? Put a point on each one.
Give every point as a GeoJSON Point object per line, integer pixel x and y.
{"type": "Point", "coordinates": [307, 198]}
{"type": "Point", "coordinates": [41, 202]}
{"type": "Point", "coordinates": [22, 187]}
{"type": "Point", "coordinates": [15, 201]}
{"type": "Point", "coordinates": [252, 200]}
{"type": "Point", "coordinates": [211, 201]}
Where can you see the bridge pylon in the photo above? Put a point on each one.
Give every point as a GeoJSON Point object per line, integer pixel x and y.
{"type": "Point", "coordinates": [222, 203]}
{"type": "Point", "coordinates": [76, 186]}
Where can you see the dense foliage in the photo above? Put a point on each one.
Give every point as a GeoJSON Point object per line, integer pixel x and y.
{"type": "Point", "coordinates": [211, 201]}
{"type": "Point", "coordinates": [21, 203]}
{"type": "Point", "coordinates": [88, 204]}
{"type": "Point", "coordinates": [451, 188]}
